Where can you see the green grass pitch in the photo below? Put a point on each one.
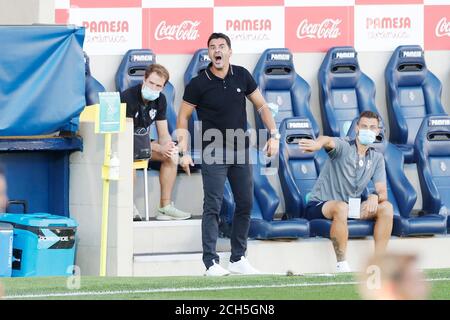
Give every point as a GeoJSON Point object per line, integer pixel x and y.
{"type": "Point", "coordinates": [278, 287]}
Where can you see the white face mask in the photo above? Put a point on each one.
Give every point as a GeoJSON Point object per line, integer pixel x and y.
{"type": "Point", "coordinates": [366, 136]}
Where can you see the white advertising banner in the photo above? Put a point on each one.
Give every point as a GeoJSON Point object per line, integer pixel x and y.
{"type": "Point", "coordinates": [250, 30]}
{"type": "Point", "coordinates": [109, 31]}
{"type": "Point", "coordinates": [383, 28]}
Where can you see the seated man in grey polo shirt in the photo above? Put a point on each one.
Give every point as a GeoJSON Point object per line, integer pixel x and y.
{"type": "Point", "coordinates": [337, 193]}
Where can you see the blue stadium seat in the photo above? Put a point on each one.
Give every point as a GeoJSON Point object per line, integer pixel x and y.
{"type": "Point", "coordinates": [280, 84]}
{"type": "Point", "coordinates": [265, 204]}
{"type": "Point", "coordinates": [199, 62]}
{"type": "Point", "coordinates": [432, 150]}
{"type": "Point", "coordinates": [344, 91]}
{"type": "Point", "coordinates": [412, 92]}
{"type": "Point", "coordinates": [131, 72]}
{"type": "Point", "coordinates": [298, 172]}
{"type": "Point", "coordinates": [401, 193]}
{"type": "Point", "coordinates": [93, 87]}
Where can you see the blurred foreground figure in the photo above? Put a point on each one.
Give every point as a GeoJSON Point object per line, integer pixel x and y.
{"type": "Point", "coordinates": [393, 277]}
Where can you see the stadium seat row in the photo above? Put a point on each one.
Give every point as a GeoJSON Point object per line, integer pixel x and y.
{"type": "Point", "coordinates": [419, 132]}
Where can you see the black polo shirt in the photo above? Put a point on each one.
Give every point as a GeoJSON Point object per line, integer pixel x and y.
{"type": "Point", "coordinates": [143, 114]}
{"type": "Point", "coordinates": [220, 103]}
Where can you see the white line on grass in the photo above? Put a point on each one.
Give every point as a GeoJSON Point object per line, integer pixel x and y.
{"type": "Point", "coordinates": [167, 290]}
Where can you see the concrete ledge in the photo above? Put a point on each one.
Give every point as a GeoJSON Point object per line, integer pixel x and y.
{"type": "Point", "coordinates": [314, 255]}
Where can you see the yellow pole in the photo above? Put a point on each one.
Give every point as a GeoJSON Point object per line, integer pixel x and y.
{"type": "Point", "coordinates": [105, 205]}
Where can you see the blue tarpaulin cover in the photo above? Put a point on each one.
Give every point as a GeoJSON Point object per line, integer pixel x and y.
{"type": "Point", "coordinates": [42, 80]}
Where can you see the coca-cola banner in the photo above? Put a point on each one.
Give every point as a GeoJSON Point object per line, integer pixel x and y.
{"type": "Point", "coordinates": [263, 30]}
{"type": "Point", "coordinates": [321, 3]}
{"type": "Point", "coordinates": [318, 28]}
{"type": "Point", "coordinates": [437, 27]}
{"type": "Point", "coordinates": [176, 31]}
{"type": "Point", "coordinates": [379, 29]}
{"type": "Point", "coordinates": [183, 26]}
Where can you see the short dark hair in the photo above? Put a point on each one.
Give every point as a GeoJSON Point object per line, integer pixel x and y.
{"type": "Point", "coordinates": [219, 35]}
{"type": "Point", "coordinates": [370, 115]}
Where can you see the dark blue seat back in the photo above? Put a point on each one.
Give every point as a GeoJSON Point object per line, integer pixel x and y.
{"type": "Point", "coordinates": [432, 149]}
{"type": "Point", "coordinates": [344, 90]}
{"type": "Point", "coordinates": [412, 92]}
{"type": "Point", "coordinates": [131, 72]}
{"type": "Point", "coordinates": [92, 87]}
{"type": "Point", "coordinates": [298, 171]}
{"type": "Point", "coordinates": [199, 63]}
{"type": "Point", "coordinates": [280, 84]}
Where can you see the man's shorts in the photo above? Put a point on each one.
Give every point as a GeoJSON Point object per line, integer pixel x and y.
{"type": "Point", "coordinates": [314, 210]}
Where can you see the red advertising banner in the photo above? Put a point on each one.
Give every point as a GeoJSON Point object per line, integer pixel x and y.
{"type": "Point", "coordinates": [176, 30]}
{"type": "Point", "coordinates": [318, 28]}
{"type": "Point", "coordinates": [61, 16]}
{"type": "Point", "coordinates": [437, 28]}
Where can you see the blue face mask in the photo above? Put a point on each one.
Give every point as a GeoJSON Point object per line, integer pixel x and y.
{"type": "Point", "coordinates": [149, 94]}
{"type": "Point", "coordinates": [366, 136]}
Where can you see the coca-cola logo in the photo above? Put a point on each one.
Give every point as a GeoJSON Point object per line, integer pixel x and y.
{"type": "Point", "coordinates": [186, 30]}
{"type": "Point", "coordinates": [106, 26]}
{"type": "Point", "coordinates": [327, 29]}
{"type": "Point", "coordinates": [443, 28]}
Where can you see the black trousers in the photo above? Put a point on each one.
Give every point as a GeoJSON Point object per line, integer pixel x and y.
{"type": "Point", "coordinates": [241, 181]}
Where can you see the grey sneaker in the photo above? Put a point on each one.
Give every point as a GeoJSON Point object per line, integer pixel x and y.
{"type": "Point", "coordinates": [169, 212]}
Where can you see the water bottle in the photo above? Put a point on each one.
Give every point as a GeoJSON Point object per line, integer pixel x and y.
{"type": "Point", "coordinates": [114, 167]}
{"type": "Point", "coordinates": [444, 212]}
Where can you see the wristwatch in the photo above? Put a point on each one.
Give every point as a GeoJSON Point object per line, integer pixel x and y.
{"type": "Point", "coordinates": [275, 135]}
{"type": "Point", "coordinates": [374, 194]}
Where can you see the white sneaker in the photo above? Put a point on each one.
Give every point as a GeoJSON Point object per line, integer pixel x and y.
{"type": "Point", "coordinates": [242, 267]}
{"type": "Point", "coordinates": [169, 212]}
{"type": "Point", "coordinates": [216, 270]}
{"type": "Point", "coordinates": [342, 267]}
